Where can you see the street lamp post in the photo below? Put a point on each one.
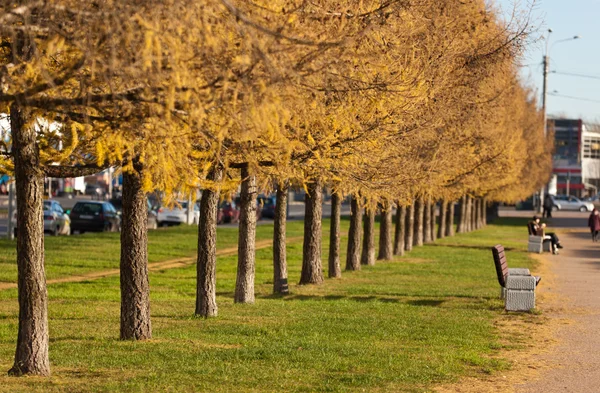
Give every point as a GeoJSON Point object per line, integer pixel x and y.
{"type": "Point", "coordinates": [546, 64]}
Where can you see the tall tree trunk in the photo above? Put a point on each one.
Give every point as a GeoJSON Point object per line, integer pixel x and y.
{"type": "Point", "coordinates": [354, 236]}
{"type": "Point", "coordinates": [418, 230]}
{"type": "Point", "coordinates": [244, 286]}
{"type": "Point", "coordinates": [312, 269]}
{"type": "Point", "coordinates": [443, 214]}
{"type": "Point", "coordinates": [469, 214]}
{"type": "Point", "coordinates": [385, 233]}
{"type": "Point", "coordinates": [450, 219]}
{"type": "Point", "coordinates": [483, 212]}
{"type": "Point", "coordinates": [427, 222]}
{"type": "Point", "coordinates": [135, 287]}
{"type": "Point", "coordinates": [462, 213]}
{"type": "Point", "coordinates": [410, 227]}
{"type": "Point", "coordinates": [476, 211]}
{"type": "Point", "coordinates": [433, 208]}
{"type": "Point", "coordinates": [400, 230]}
{"type": "Point", "coordinates": [368, 249]}
{"type": "Point", "coordinates": [31, 356]}
{"type": "Point", "coordinates": [206, 267]}
{"type": "Point", "coordinates": [280, 275]}
{"type": "Point", "coordinates": [335, 270]}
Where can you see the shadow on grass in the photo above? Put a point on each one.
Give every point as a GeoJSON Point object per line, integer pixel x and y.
{"type": "Point", "coordinates": [472, 247]}
{"type": "Point", "coordinates": [394, 298]}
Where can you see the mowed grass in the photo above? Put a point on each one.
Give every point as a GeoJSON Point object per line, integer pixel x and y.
{"type": "Point", "coordinates": [400, 326]}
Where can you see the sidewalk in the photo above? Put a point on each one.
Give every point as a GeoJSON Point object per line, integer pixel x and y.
{"type": "Point", "coordinates": [573, 365]}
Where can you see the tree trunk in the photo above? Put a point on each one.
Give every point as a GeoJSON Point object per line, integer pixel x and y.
{"type": "Point", "coordinates": [427, 222]}
{"type": "Point", "coordinates": [312, 269]}
{"type": "Point", "coordinates": [418, 230]}
{"type": "Point", "coordinates": [335, 270]}
{"type": "Point", "coordinates": [400, 230]}
{"type": "Point", "coordinates": [461, 228]}
{"type": "Point", "coordinates": [476, 211]}
{"type": "Point", "coordinates": [31, 356]}
{"type": "Point", "coordinates": [450, 219]}
{"type": "Point", "coordinates": [410, 227]}
{"type": "Point", "coordinates": [483, 212]}
{"type": "Point", "coordinates": [206, 291]}
{"type": "Point", "coordinates": [135, 288]}
{"type": "Point", "coordinates": [280, 275]}
{"type": "Point", "coordinates": [354, 236]}
{"type": "Point", "coordinates": [469, 214]}
{"type": "Point", "coordinates": [433, 221]}
{"type": "Point", "coordinates": [443, 214]}
{"type": "Point", "coordinates": [385, 234]}
{"type": "Point", "coordinates": [244, 286]}
{"type": "Point", "coordinates": [368, 249]}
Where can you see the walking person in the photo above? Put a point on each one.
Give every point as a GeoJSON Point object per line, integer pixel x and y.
{"type": "Point", "coordinates": [594, 224]}
{"type": "Point", "coordinates": [548, 205]}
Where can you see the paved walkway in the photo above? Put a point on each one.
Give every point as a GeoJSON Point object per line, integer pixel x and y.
{"type": "Point", "coordinates": [573, 364]}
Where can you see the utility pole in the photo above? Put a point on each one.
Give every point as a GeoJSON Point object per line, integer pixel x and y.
{"type": "Point", "coordinates": [544, 115]}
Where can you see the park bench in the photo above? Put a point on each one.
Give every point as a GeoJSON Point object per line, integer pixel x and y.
{"type": "Point", "coordinates": [517, 285]}
{"type": "Point", "coordinates": [538, 242]}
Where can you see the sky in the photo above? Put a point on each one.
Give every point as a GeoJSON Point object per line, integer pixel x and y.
{"type": "Point", "coordinates": [566, 18]}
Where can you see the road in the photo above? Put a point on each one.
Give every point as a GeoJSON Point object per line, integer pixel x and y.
{"type": "Point", "coordinates": [296, 210]}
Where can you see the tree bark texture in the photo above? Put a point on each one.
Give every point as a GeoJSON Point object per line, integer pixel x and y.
{"type": "Point", "coordinates": [400, 230]}
{"type": "Point", "coordinates": [312, 268]}
{"type": "Point", "coordinates": [280, 275]}
{"type": "Point", "coordinates": [427, 222]}
{"type": "Point", "coordinates": [368, 249]}
{"type": "Point", "coordinates": [354, 236]}
{"type": "Point", "coordinates": [469, 215]}
{"type": "Point", "coordinates": [244, 286]}
{"type": "Point", "coordinates": [443, 212]}
{"type": "Point", "coordinates": [450, 219]}
{"type": "Point", "coordinates": [31, 356]}
{"type": "Point", "coordinates": [135, 287]}
{"type": "Point", "coordinates": [433, 208]}
{"type": "Point", "coordinates": [419, 215]}
{"type": "Point", "coordinates": [385, 234]}
{"type": "Point", "coordinates": [335, 270]}
{"type": "Point", "coordinates": [206, 267]}
{"type": "Point", "coordinates": [461, 227]}
{"type": "Point", "coordinates": [483, 212]}
{"type": "Point", "coordinates": [410, 227]}
{"type": "Point", "coordinates": [476, 212]}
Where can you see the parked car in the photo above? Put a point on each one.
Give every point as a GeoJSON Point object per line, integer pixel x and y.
{"type": "Point", "coordinates": [178, 214]}
{"type": "Point", "coordinates": [95, 190]}
{"type": "Point", "coordinates": [152, 216]}
{"type": "Point", "coordinates": [238, 202]}
{"type": "Point", "coordinates": [228, 212]}
{"type": "Point", "coordinates": [569, 202]}
{"type": "Point", "coordinates": [92, 216]}
{"type": "Point", "coordinates": [595, 200]}
{"type": "Point", "coordinates": [56, 221]}
{"type": "Point", "coordinates": [267, 204]}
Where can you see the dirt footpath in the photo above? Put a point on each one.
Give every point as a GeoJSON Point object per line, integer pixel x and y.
{"type": "Point", "coordinates": [573, 364]}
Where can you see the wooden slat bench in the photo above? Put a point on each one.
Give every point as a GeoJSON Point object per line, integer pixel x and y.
{"type": "Point", "coordinates": [517, 284]}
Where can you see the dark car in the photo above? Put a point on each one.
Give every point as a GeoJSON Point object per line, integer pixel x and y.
{"type": "Point", "coordinates": [152, 217]}
{"type": "Point", "coordinates": [91, 216]}
{"type": "Point", "coordinates": [228, 212]}
{"type": "Point", "coordinates": [268, 205]}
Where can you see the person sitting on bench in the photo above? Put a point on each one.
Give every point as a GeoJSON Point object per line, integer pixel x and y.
{"type": "Point", "coordinates": [537, 229]}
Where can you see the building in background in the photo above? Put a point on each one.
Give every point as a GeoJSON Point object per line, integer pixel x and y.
{"type": "Point", "coordinates": [576, 162]}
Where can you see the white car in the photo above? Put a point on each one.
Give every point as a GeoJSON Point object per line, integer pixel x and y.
{"type": "Point", "coordinates": [56, 222]}
{"type": "Point", "coordinates": [178, 214]}
{"type": "Point", "coordinates": [569, 202]}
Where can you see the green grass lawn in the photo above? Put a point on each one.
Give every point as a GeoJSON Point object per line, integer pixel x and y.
{"type": "Point", "coordinates": [403, 325]}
